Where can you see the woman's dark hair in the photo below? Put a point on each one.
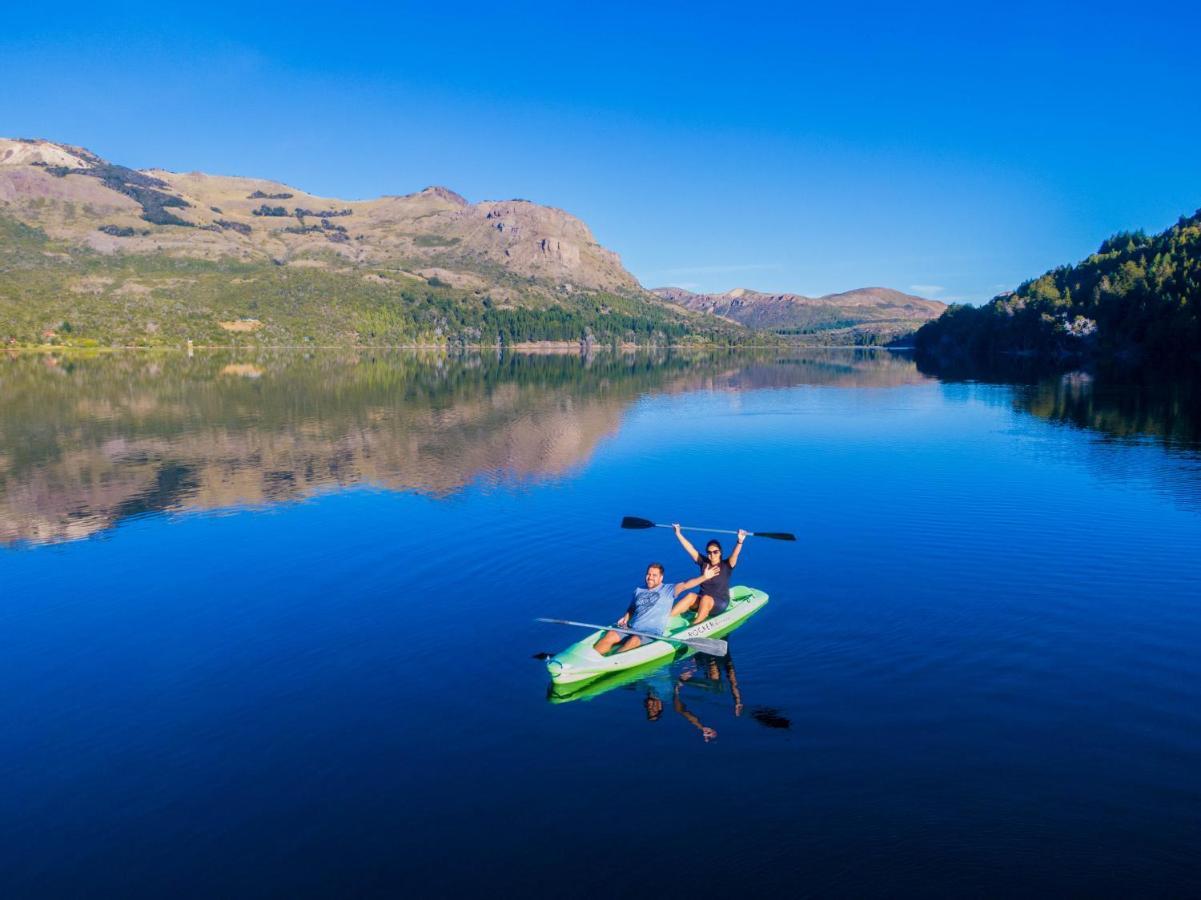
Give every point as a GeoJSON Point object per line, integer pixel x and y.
{"type": "Point", "coordinates": [716, 544]}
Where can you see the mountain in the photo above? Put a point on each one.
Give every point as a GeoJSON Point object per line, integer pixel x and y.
{"type": "Point", "coordinates": [1137, 300]}
{"type": "Point", "coordinates": [153, 256]}
{"type": "Point", "coordinates": [876, 311]}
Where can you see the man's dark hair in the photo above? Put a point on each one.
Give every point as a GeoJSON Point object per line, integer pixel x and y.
{"type": "Point", "coordinates": [659, 566]}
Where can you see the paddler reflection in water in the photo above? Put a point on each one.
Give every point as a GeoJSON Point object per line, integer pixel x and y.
{"type": "Point", "coordinates": [715, 597]}
{"type": "Point", "coordinates": [702, 670]}
{"type": "Point", "coordinates": [650, 609]}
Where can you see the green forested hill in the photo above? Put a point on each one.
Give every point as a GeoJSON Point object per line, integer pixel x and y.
{"type": "Point", "coordinates": [1137, 300]}
{"type": "Point", "coordinates": [51, 292]}
{"type": "Point", "coordinates": [97, 254]}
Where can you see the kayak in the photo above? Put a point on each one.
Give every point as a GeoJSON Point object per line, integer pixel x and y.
{"type": "Point", "coordinates": [581, 662]}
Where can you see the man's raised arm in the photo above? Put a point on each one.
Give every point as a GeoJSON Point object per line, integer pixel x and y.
{"type": "Point", "coordinates": [709, 572]}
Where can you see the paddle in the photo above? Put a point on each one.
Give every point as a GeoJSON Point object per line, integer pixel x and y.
{"type": "Point", "coordinates": [712, 646]}
{"type": "Point", "coordinates": [635, 522]}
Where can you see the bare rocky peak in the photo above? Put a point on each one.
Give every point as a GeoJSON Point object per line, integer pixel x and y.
{"type": "Point", "coordinates": [76, 196]}
{"type": "Point", "coordinates": [34, 152]}
{"type": "Point", "coordinates": [444, 193]}
{"type": "Point", "coordinates": [676, 295]}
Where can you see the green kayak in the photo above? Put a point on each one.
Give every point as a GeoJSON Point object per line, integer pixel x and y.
{"type": "Point", "coordinates": [580, 662]}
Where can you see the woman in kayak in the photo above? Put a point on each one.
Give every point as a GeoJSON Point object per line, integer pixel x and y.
{"type": "Point", "coordinates": [716, 595]}
{"type": "Point", "coordinates": [649, 609]}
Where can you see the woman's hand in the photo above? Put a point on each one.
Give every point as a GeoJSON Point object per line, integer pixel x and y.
{"type": "Point", "coordinates": [711, 572]}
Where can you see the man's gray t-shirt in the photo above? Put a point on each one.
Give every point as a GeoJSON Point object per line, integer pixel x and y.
{"type": "Point", "coordinates": [650, 609]}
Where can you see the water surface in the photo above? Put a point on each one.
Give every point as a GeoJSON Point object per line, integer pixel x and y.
{"type": "Point", "coordinates": [267, 625]}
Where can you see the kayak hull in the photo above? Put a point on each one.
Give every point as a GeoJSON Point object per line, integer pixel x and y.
{"type": "Point", "coordinates": [580, 662]}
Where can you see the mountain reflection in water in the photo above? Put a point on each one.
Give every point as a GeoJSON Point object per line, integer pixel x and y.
{"type": "Point", "coordinates": [88, 442]}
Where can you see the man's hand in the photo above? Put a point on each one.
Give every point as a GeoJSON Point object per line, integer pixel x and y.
{"type": "Point", "coordinates": [711, 572]}
{"type": "Point", "coordinates": [624, 620]}
{"type": "Point", "coordinates": [741, 535]}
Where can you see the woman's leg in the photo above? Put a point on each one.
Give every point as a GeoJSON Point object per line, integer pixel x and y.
{"type": "Point", "coordinates": [702, 611]}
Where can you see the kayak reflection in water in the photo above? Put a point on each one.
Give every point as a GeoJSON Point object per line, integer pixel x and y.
{"type": "Point", "coordinates": [649, 609]}
{"type": "Point", "coordinates": [715, 598]}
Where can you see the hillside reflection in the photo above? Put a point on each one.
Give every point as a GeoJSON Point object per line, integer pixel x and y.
{"type": "Point", "coordinates": [1167, 410]}
{"type": "Point", "coordinates": [87, 443]}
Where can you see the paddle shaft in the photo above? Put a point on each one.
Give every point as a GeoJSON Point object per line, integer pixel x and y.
{"type": "Point", "coordinates": [713, 646]}
{"type": "Point", "coordinates": [638, 522]}
{"type": "Point", "coordinates": [699, 528]}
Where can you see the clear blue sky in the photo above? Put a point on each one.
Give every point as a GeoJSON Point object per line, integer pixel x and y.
{"type": "Point", "coordinates": [928, 147]}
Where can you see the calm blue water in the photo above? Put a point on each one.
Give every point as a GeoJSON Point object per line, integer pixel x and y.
{"type": "Point", "coordinates": [266, 628]}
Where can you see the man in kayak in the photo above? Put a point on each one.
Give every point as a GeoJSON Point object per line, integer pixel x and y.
{"type": "Point", "coordinates": [650, 609]}
{"type": "Point", "coordinates": [714, 599]}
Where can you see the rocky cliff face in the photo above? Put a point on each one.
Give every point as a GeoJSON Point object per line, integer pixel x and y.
{"type": "Point", "coordinates": [880, 308]}
{"type": "Point", "coordinates": [75, 196]}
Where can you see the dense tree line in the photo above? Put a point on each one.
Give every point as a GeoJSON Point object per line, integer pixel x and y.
{"type": "Point", "coordinates": [143, 188]}
{"type": "Point", "coordinates": [1136, 300]}
{"type": "Point", "coordinates": [189, 298]}
{"type": "Point", "coordinates": [301, 212]}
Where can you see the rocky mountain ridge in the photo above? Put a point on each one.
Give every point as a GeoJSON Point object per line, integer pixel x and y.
{"type": "Point", "coordinates": [75, 196]}
{"type": "Point", "coordinates": [882, 309]}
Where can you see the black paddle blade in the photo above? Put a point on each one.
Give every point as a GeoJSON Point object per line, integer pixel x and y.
{"type": "Point", "coordinates": [543, 655]}
{"type": "Point", "coordinates": [635, 522]}
{"type": "Point", "coordinates": [776, 535]}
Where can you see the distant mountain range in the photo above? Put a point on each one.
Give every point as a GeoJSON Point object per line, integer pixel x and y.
{"type": "Point", "coordinates": [76, 196]}
{"type": "Point", "coordinates": [95, 253]}
{"type": "Point", "coordinates": [871, 311]}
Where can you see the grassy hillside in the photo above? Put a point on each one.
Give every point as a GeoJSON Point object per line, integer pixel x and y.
{"type": "Point", "coordinates": [51, 292]}
{"type": "Point", "coordinates": [1136, 300]}
{"type": "Point", "coordinates": [95, 253]}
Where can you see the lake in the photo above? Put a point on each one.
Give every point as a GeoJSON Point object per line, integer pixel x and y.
{"type": "Point", "coordinates": [268, 626]}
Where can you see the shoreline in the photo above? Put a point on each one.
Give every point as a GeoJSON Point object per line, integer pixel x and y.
{"type": "Point", "coordinates": [526, 347]}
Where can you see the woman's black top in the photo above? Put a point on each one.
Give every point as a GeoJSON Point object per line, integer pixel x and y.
{"type": "Point", "coordinates": [717, 587]}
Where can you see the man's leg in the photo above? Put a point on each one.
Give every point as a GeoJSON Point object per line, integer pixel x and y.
{"type": "Point", "coordinates": [702, 611]}
{"type": "Point", "coordinates": [606, 643]}
{"type": "Point", "coordinates": [683, 604]}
